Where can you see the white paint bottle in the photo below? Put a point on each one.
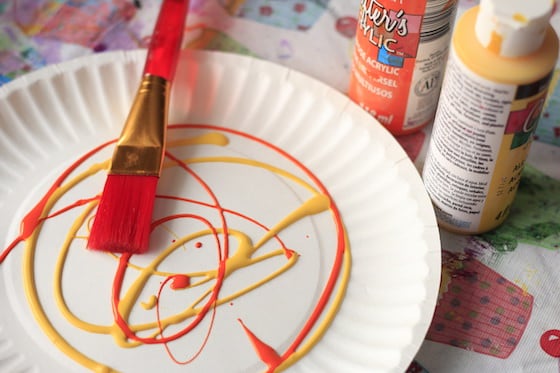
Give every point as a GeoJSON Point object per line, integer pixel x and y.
{"type": "Point", "coordinates": [503, 54]}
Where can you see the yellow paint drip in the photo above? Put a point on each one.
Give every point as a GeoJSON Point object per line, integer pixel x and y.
{"type": "Point", "coordinates": [520, 18]}
{"type": "Point", "coordinates": [150, 303]}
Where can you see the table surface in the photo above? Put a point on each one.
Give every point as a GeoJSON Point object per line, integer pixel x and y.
{"type": "Point", "coordinates": [499, 308]}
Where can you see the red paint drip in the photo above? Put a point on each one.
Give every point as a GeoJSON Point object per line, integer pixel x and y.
{"type": "Point", "coordinates": [198, 245]}
{"type": "Point", "coordinates": [78, 203]}
{"type": "Point", "coordinates": [288, 253]}
{"type": "Point", "coordinates": [266, 353]}
{"type": "Point", "coordinates": [179, 282]}
{"type": "Point", "coordinates": [9, 249]}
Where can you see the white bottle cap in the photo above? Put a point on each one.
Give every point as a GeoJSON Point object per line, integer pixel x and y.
{"type": "Point", "coordinates": [513, 28]}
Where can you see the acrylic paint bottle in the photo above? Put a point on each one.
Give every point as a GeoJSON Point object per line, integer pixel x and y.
{"type": "Point", "coordinates": [400, 52]}
{"type": "Point", "coordinates": [502, 58]}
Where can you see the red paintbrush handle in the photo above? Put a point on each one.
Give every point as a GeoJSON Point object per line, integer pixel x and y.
{"type": "Point", "coordinates": [166, 40]}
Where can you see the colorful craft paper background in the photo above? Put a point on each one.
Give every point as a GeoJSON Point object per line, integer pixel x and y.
{"type": "Point", "coordinates": [498, 307]}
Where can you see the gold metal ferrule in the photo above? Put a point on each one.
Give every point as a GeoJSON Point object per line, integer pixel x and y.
{"type": "Point", "coordinates": [140, 147]}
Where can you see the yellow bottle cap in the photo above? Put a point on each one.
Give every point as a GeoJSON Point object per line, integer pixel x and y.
{"type": "Point", "coordinates": [513, 28]}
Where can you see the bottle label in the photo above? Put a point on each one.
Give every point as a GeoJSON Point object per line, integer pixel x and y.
{"type": "Point", "coordinates": [400, 50]}
{"type": "Point", "coordinates": [481, 138]}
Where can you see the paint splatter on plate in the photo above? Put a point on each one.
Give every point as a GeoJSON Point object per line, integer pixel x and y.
{"type": "Point", "coordinates": [291, 230]}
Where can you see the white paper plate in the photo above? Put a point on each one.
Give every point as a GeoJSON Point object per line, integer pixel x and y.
{"type": "Point", "coordinates": [50, 118]}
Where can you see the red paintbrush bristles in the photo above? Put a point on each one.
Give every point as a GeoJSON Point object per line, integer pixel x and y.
{"type": "Point", "coordinates": [124, 215]}
{"type": "Point", "coordinates": [123, 220]}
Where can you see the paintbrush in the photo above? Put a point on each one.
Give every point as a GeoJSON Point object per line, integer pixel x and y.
{"type": "Point", "coordinates": [123, 219]}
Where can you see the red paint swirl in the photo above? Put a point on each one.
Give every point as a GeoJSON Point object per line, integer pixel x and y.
{"type": "Point", "coordinates": [219, 234]}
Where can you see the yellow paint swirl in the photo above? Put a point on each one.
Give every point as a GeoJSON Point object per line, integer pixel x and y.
{"type": "Point", "coordinates": [236, 250]}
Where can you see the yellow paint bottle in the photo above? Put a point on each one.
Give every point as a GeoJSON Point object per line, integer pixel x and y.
{"type": "Point", "coordinates": [502, 57]}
